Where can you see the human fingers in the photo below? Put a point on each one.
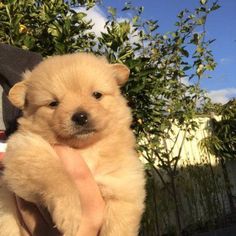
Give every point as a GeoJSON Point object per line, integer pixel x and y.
{"type": "Point", "coordinates": [92, 202]}
{"type": "Point", "coordinates": [71, 160]}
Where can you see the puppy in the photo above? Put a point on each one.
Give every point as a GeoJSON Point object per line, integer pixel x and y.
{"type": "Point", "coordinates": [73, 100]}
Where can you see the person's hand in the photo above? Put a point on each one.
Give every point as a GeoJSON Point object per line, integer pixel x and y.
{"type": "Point", "coordinates": [92, 202]}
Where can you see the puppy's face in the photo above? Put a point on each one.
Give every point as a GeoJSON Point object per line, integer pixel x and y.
{"type": "Point", "coordinates": [74, 98]}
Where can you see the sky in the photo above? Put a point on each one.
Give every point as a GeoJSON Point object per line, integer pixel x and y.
{"type": "Point", "coordinates": [221, 25]}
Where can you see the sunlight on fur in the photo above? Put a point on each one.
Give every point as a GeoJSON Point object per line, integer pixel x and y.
{"type": "Point", "coordinates": [74, 100]}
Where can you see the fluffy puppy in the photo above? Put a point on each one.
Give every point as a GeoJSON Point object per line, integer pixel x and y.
{"type": "Point", "coordinates": [73, 100]}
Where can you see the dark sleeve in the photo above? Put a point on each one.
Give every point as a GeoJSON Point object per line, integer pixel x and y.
{"type": "Point", "coordinates": [13, 62]}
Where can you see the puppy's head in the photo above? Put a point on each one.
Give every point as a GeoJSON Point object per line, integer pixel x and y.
{"type": "Point", "coordinates": [73, 98]}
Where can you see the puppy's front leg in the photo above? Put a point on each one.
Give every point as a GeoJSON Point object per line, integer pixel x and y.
{"type": "Point", "coordinates": [122, 219]}
{"type": "Point", "coordinates": [124, 206]}
{"type": "Point", "coordinates": [34, 172]}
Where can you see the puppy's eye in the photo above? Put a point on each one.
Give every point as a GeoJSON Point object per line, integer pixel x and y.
{"type": "Point", "coordinates": [97, 95]}
{"type": "Point", "coordinates": [54, 104]}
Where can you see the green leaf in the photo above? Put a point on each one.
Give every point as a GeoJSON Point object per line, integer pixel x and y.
{"type": "Point", "coordinates": [112, 11]}
{"type": "Point", "coordinates": [203, 2]}
{"type": "Point", "coordinates": [80, 15]}
{"type": "Point", "coordinates": [195, 39]}
{"type": "Point", "coordinates": [10, 1]}
{"type": "Point", "coordinates": [126, 8]}
{"type": "Point", "coordinates": [135, 19]}
{"type": "Point", "coordinates": [187, 68]}
{"type": "Point", "coordinates": [29, 41]}
{"type": "Point", "coordinates": [215, 6]}
{"type": "Point", "coordinates": [201, 20]}
{"type": "Point", "coordinates": [60, 47]}
{"type": "Point", "coordinates": [184, 52]}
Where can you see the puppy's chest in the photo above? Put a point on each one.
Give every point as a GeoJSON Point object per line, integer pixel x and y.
{"type": "Point", "coordinates": [91, 157]}
{"type": "Point", "coordinates": [106, 170]}
{"type": "Point", "coordinates": [99, 161]}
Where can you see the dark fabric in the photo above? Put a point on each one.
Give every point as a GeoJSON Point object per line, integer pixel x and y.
{"type": "Point", "coordinates": [37, 216]}
{"type": "Point", "coordinates": [13, 62]}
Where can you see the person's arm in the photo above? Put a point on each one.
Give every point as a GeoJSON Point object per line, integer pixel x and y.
{"type": "Point", "coordinates": [92, 202]}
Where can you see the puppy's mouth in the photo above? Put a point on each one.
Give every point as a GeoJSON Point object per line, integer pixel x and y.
{"type": "Point", "coordinates": [85, 133]}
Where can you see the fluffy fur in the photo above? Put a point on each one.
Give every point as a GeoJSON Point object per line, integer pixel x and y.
{"type": "Point", "coordinates": [49, 96]}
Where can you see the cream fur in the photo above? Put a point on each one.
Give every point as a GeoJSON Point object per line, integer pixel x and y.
{"type": "Point", "coordinates": [32, 169]}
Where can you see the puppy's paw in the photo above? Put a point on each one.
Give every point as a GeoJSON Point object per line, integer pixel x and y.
{"type": "Point", "coordinates": [68, 224]}
{"type": "Point", "coordinates": [107, 187]}
{"type": "Point", "coordinates": [106, 192]}
{"type": "Point", "coordinates": [67, 216]}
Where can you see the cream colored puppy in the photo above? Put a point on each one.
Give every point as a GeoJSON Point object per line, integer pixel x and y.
{"type": "Point", "coordinates": [73, 100]}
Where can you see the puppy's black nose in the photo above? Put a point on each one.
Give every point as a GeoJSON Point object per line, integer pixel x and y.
{"type": "Point", "coordinates": [80, 118]}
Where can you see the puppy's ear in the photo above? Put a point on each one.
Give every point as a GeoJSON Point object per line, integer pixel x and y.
{"type": "Point", "coordinates": [121, 73]}
{"type": "Point", "coordinates": [17, 94]}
